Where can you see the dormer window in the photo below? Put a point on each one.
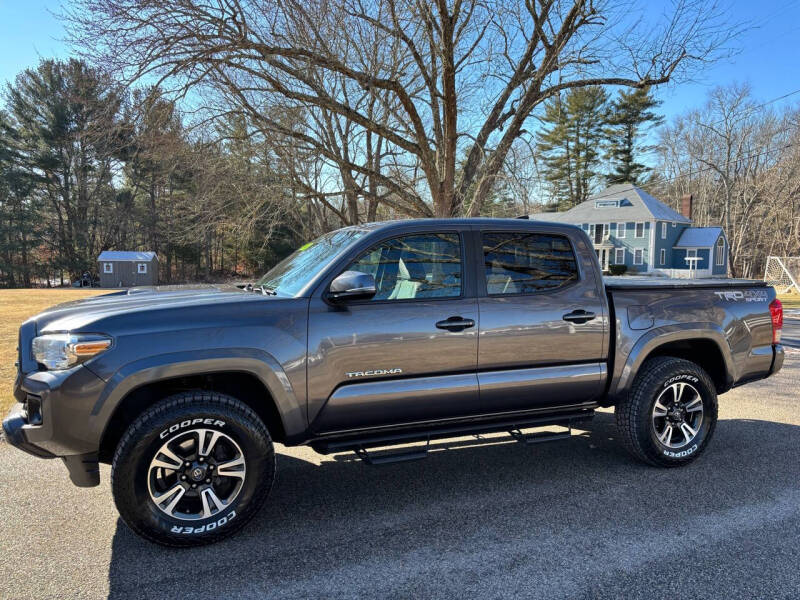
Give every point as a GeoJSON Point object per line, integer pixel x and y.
{"type": "Point", "coordinates": [607, 203]}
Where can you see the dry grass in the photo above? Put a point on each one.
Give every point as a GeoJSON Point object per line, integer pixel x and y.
{"type": "Point", "coordinates": [15, 307]}
{"type": "Point", "coordinates": [790, 300]}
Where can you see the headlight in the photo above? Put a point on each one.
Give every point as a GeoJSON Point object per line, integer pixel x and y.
{"type": "Point", "coordinates": [58, 351]}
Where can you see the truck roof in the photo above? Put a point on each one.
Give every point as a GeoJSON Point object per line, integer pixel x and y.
{"type": "Point", "coordinates": [522, 222]}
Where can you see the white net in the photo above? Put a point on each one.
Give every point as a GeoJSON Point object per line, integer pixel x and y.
{"type": "Point", "coordinates": [783, 273]}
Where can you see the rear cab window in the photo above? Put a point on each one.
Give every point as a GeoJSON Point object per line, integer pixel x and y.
{"type": "Point", "coordinates": [520, 262]}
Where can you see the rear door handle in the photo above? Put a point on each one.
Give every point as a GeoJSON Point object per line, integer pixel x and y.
{"type": "Point", "coordinates": [455, 324]}
{"type": "Point", "coordinates": [579, 316]}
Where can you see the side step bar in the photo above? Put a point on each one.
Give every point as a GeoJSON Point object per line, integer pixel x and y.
{"type": "Point", "coordinates": [538, 438]}
{"type": "Point", "coordinates": [392, 457]}
{"type": "Point", "coordinates": [362, 446]}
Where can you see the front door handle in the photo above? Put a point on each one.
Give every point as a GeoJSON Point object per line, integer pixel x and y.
{"type": "Point", "coordinates": [455, 324]}
{"type": "Point", "coordinates": [579, 316]}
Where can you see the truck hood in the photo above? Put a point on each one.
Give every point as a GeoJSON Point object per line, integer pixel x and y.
{"type": "Point", "coordinates": [80, 314]}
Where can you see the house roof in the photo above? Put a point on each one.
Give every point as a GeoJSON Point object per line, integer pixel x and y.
{"type": "Point", "coordinates": [112, 255]}
{"type": "Point", "coordinates": [634, 204]}
{"type": "Point", "coordinates": [698, 237]}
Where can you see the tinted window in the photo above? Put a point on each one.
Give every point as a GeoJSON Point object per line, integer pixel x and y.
{"type": "Point", "coordinates": [414, 267]}
{"type": "Point", "coordinates": [522, 263]}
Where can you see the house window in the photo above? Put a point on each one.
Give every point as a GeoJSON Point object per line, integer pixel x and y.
{"type": "Point", "coordinates": [663, 256]}
{"type": "Point", "coordinates": [639, 230]}
{"type": "Point", "coordinates": [620, 230]}
{"type": "Point", "coordinates": [600, 233]}
{"type": "Point", "coordinates": [664, 231]}
{"type": "Point", "coordinates": [141, 268]}
{"type": "Point", "coordinates": [692, 253]}
{"type": "Point", "coordinates": [638, 256]}
{"type": "Point", "coordinates": [720, 252]}
{"type": "Point", "coordinates": [108, 267]}
{"type": "Point", "coordinates": [619, 256]}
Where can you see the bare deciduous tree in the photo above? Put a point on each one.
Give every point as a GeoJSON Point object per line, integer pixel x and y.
{"type": "Point", "coordinates": [740, 161]}
{"type": "Point", "coordinates": [446, 86]}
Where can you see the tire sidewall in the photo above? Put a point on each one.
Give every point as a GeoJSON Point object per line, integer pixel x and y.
{"type": "Point", "coordinates": [132, 472]}
{"type": "Point", "coordinates": [687, 373]}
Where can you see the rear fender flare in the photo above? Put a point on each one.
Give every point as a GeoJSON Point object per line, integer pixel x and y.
{"type": "Point", "coordinates": [215, 360]}
{"type": "Point", "coordinates": [644, 347]}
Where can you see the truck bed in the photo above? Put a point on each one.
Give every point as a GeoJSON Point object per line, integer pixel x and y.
{"type": "Point", "coordinates": [666, 283]}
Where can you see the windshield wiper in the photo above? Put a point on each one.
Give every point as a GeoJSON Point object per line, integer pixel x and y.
{"type": "Point", "coordinates": [260, 288]}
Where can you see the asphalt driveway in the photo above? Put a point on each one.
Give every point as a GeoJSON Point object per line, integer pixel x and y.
{"type": "Point", "coordinates": [496, 519]}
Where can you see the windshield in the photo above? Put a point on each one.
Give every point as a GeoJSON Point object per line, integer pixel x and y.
{"type": "Point", "coordinates": [292, 274]}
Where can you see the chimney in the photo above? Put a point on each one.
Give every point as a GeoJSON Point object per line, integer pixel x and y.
{"type": "Point", "coordinates": [686, 206]}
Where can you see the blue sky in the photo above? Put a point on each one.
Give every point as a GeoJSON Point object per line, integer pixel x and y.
{"type": "Point", "coordinates": [768, 57]}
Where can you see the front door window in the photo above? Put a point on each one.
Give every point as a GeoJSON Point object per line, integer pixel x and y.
{"type": "Point", "coordinates": [413, 267]}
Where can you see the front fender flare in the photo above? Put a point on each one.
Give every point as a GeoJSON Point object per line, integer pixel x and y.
{"type": "Point", "coordinates": [214, 360]}
{"type": "Point", "coordinates": [655, 338]}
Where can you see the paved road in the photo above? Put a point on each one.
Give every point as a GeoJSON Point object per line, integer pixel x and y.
{"type": "Point", "coordinates": [576, 518]}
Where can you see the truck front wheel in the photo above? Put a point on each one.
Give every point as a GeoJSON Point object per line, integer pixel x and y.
{"type": "Point", "coordinates": [192, 469]}
{"type": "Point", "coordinates": [670, 413]}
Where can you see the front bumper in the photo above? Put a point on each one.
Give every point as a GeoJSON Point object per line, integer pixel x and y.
{"type": "Point", "coordinates": [52, 419]}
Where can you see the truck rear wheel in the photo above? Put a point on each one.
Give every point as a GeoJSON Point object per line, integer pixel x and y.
{"type": "Point", "coordinates": [670, 413]}
{"type": "Point", "coordinates": [192, 469]}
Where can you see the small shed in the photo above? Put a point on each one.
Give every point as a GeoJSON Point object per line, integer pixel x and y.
{"type": "Point", "coordinates": [127, 269]}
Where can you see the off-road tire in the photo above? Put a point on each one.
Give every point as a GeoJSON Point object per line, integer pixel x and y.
{"type": "Point", "coordinates": [635, 413]}
{"type": "Point", "coordinates": [131, 466]}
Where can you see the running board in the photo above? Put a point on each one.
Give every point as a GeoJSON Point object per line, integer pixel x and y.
{"type": "Point", "coordinates": [392, 457]}
{"type": "Point", "coordinates": [538, 438]}
{"type": "Point", "coordinates": [364, 446]}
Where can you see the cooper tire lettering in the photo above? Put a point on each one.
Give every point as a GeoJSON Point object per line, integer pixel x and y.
{"type": "Point", "coordinates": [686, 377]}
{"type": "Point", "coordinates": [682, 453]}
{"type": "Point", "coordinates": [204, 528]}
{"type": "Point", "coordinates": [189, 423]}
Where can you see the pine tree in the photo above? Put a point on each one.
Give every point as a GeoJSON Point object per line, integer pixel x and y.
{"type": "Point", "coordinates": [570, 142]}
{"type": "Point", "coordinates": [66, 115]}
{"type": "Point", "coordinates": [630, 115]}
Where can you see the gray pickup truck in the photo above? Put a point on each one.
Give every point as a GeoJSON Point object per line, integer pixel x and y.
{"type": "Point", "coordinates": [371, 337]}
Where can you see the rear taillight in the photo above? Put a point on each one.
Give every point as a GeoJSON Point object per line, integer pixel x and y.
{"type": "Point", "coordinates": [776, 311]}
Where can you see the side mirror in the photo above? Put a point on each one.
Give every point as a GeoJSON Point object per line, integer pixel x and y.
{"type": "Point", "coordinates": [352, 285]}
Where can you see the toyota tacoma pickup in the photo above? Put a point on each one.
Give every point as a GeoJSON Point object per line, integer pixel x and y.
{"type": "Point", "coordinates": [375, 336]}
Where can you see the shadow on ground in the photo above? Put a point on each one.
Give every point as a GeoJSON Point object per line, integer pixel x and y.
{"type": "Point", "coordinates": [568, 518]}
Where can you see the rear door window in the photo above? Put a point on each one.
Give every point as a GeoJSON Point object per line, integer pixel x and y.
{"type": "Point", "coordinates": [527, 263]}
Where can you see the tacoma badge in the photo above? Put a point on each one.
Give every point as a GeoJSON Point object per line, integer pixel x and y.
{"type": "Point", "coordinates": [374, 372]}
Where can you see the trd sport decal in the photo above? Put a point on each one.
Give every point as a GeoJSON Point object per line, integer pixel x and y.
{"type": "Point", "coordinates": [373, 372]}
{"type": "Point", "coordinates": [743, 296]}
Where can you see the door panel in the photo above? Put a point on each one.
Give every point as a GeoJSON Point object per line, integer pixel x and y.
{"type": "Point", "coordinates": [390, 336]}
{"type": "Point", "coordinates": [374, 403]}
{"type": "Point", "coordinates": [549, 360]}
{"type": "Point", "coordinates": [408, 354]}
{"type": "Point", "coordinates": [514, 389]}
